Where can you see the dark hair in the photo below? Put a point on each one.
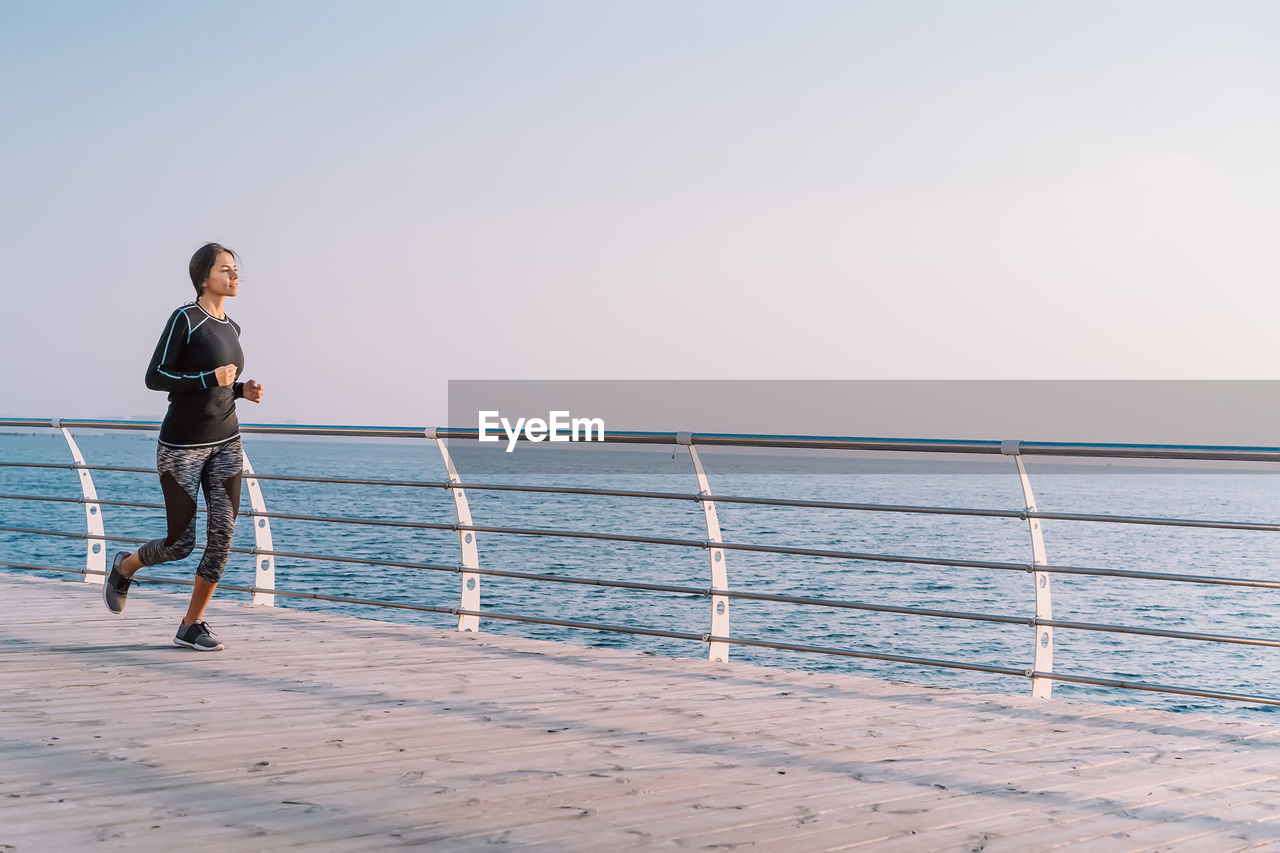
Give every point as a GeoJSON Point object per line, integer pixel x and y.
{"type": "Point", "coordinates": [202, 263]}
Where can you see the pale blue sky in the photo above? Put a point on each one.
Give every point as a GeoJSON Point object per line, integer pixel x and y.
{"type": "Point", "coordinates": [428, 191]}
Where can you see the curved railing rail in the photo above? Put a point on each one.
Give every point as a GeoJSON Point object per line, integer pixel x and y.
{"type": "Point", "coordinates": [719, 594]}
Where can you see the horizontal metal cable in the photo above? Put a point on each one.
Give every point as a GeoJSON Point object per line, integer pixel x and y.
{"type": "Point", "coordinates": [1149, 520]}
{"type": "Point", "coordinates": [704, 544]}
{"type": "Point", "coordinates": [880, 608]}
{"type": "Point", "coordinates": [290, 478]}
{"type": "Point", "coordinates": [544, 489]}
{"type": "Point", "coordinates": [1210, 580]}
{"type": "Point", "coordinates": [730, 499]}
{"type": "Point", "coordinates": [49, 568]}
{"type": "Point", "coordinates": [251, 514]}
{"type": "Point", "coordinates": [899, 445]}
{"type": "Point", "coordinates": [69, 466]}
{"type": "Point", "coordinates": [413, 525]}
{"type": "Point", "coordinates": [979, 512]}
{"type": "Point", "coordinates": [762, 549]}
{"type": "Point", "coordinates": [342, 599]}
{"type": "Point", "coordinates": [632, 585]}
{"type": "Point", "coordinates": [83, 500]}
{"type": "Point", "coordinates": [63, 535]}
{"type": "Point", "coordinates": [495, 487]}
{"type": "Point", "coordinates": [883, 608]}
{"type": "Point", "coordinates": [420, 525]}
{"type": "Point", "coordinates": [452, 611]}
{"type": "Point", "coordinates": [359, 561]}
{"type": "Point", "coordinates": [778, 502]}
{"type": "Point", "coordinates": [708, 592]}
{"type": "Point", "coordinates": [854, 653]}
{"type": "Point", "coordinates": [70, 423]}
{"type": "Point", "coordinates": [841, 604]}
{"type": "Point", "coordinates": [250, 589]}
{"type": "Point", "coordinates": [429, 484]}
{"type": "Point", "coordinates": [1022, 515]}
{"type": "Point", "coordinates": [1155, 688]}
{"type": "Point", "coordinates": [1066, 677]}
{"type": "Point", "coordinates": [678, 496]}
{"type": "Point", "coordinates": [352, 481]}
{"type": "Point", "coordinates": [989, 617]}
{"type": "Point", "coordinates": [1157, 632]}
{"type": "Point", "coordinates": [843, 555]}
{"type": "Point", "coordinates": [269, 429]}
{"type": "Point", "coordinates": [576, 490]}
{"type": "Point", "coordinates": [1021, 567]}
{"type": "Point", "coordinates": [880, 558]}
{"type": "Point", "coordinates": [47, 498]}
{"type": "Point", "coordinates": [845, 505]}
{"type": "Point", "coordinates": [255, 551]}
{"type": "Point", "coordinates": [1242, 582]}
{"type": "Point", "coordinates": [592, 626]}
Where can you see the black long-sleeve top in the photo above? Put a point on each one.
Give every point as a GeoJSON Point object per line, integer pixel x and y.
{"type": "Point", "coordinates": [192, 346]}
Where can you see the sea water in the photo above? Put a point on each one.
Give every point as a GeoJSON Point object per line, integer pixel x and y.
{"type": "Point", "coordinates": [1214, 495]}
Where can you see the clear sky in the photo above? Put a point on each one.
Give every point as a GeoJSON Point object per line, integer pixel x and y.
{"type": "Point", "coordinates": [502, 190]}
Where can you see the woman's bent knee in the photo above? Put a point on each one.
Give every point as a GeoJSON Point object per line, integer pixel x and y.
{"type": "Point", "coordinates": [159, 551]}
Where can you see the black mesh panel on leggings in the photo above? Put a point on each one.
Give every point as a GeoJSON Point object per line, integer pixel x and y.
{"type": "Point", "coordinates": [183, 472]}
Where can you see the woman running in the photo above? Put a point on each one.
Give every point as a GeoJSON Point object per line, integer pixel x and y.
{"type": "Point", "coordinates": [197, 361]}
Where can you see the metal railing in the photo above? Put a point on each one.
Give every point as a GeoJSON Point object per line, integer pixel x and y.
{"type": "Point", "coordinates": [718, 638]}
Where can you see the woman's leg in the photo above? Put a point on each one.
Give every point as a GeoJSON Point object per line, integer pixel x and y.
{"type": "Point", "coordinates": [220, 480]}
{"type": "Point", "coordinates": [179, 469]}
{"type": "Point", "coordinates": [200, 595]}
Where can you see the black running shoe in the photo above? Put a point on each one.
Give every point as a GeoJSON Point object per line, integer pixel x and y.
{"type": "Point", "coordinates": [199, 637]}
{"type": "Point", "coordinates": [115, 590]}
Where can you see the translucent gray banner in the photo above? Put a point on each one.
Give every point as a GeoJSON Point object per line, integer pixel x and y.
{"type": "Point", "coordinates": [1202, 413]}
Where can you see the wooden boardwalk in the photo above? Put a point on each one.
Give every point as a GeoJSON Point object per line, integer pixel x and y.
{"type": "Point", "coordinates": [337, 733]}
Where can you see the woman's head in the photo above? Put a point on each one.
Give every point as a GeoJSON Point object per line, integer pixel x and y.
{"type": "Point", "coordinates": [206, 261]}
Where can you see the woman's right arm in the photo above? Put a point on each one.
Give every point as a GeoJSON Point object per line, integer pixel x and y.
{"type": "Point", "coordinates": [162, 373]}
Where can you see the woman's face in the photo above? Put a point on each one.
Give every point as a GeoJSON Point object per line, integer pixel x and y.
{"type": "Point", "coordinates": [224, 278]}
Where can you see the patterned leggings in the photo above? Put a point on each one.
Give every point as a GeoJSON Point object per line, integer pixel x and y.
{"type": "Point", "coordinates": [183, 471]}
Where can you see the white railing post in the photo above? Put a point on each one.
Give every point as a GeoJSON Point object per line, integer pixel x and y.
{"type": "Point", "coordinates": [264, 562]}
{"type": "Point", "coordinates": [95, 558]}
{"type": "Point", "coordinates": [469, 598]}
{"type": "Point", "coordinates": [716, 651]}
{"type": "Point", "coordinates": [1041, 688]}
